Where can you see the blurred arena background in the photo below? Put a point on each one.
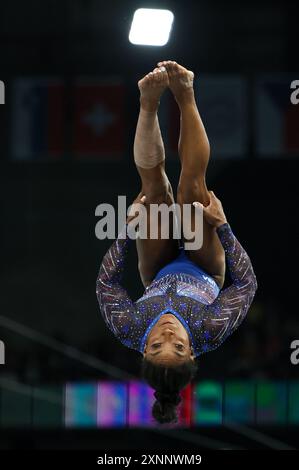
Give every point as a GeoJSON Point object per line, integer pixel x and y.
{"type": "Point", "coordinates": [66, 133]}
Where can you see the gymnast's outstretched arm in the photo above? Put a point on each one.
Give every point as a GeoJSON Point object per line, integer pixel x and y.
{"type": "Point", "coordinates": [117, 308]}
{"type": "Point", "coordinates": [115, 304]}
{"type": "Point", "coordinates": [229, 309]}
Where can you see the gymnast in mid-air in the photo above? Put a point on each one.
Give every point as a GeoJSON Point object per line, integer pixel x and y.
{"type": "Point", "coordinates": [183, 312]}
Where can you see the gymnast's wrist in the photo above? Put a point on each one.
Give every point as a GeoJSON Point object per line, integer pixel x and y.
{"type": "Point", "coordinates": [221, 222]}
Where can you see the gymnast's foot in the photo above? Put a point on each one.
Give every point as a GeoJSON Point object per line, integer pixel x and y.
{"type": "Point", "coordinates": [180, 80]}
{"type": "Point", "coordinates": [151, 88]}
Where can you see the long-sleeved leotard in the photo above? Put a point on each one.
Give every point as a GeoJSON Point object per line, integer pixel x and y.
{"type": "Point", "coordinates": [208, 315]}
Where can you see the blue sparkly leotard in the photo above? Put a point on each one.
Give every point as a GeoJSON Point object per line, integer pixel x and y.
{"type": "Point", "coordinates": [209, 315]}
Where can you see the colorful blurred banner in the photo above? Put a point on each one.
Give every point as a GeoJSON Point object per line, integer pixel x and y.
{"type": "Point", "coordinates": [239, 402]}
{"type": "Point", "coordinates": [38, 119]}
{"type": "Point", "coordinates": [294, 403]}
{"type": "Point", "coordinates": [99, 122]}
{"type": "Point", "coordinates": [81, 405]}
{"type": "Point", "coordinates": [185, 409]}
{"type": "Point", "coordinates": [207, 407]}
{"type": "Point", "coordinates": [118, 404]}
{"type": "Point", "coordinates": [223, 105]}
{"type": "Point", "coordinates": [141, 400]}
{"type": "Point", "coordinates": [271, 403]}
{"type": "Point", "coordinates": [112, 404]}
{"type": "Point", "coordinates": [48, 407]}
{"type": "Point", "coordinates": [277, 119]}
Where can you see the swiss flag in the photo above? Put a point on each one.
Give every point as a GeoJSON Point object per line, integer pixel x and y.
{"type": "Point", "coordinates": [99, 120]}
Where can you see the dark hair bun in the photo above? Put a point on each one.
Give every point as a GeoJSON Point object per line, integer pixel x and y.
{"type": "Point", "coordinates": [167, 383]}
{"type": "Point", "coordinates": [173, 398]}
{"type": "Point", "coordinates": [164, 408]}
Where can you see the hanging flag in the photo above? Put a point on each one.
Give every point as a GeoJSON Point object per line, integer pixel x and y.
{"type": "Point", "coordinates": [277, 118]}
{"type": "Point", "coordinates": [38, 119]}
{"type": "Point", "coordinates": [99, 124]}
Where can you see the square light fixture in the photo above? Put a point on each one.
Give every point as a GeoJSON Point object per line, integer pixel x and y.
{"type": "Point", "coordinates": [151, 27]}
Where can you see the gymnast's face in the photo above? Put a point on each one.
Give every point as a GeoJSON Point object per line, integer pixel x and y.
{"type": "Point", "coordinates": [168, 342]}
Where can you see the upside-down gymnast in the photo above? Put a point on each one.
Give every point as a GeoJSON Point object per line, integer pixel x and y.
{"type": "Point", "coordinates": [183, 311]}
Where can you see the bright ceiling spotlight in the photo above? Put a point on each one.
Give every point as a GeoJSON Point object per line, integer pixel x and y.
{"type": "Point", "coordinates": [151, 27]}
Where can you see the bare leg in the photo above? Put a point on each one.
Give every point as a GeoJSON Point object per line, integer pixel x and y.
{"type": "Point", "coordinates": [194, 152]}
{"type": "Point", "coordinates": [152, 254]}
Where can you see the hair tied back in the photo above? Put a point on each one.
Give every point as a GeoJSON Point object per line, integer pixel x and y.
{"type": "Point", "coordinates": [173, 398]}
